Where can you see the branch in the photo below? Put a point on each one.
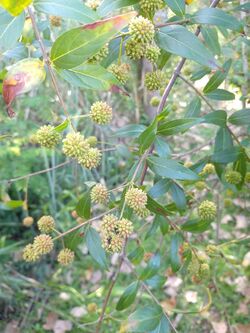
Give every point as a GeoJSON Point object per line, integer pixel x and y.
{"type": "Point", "coordinates": [48, 62]}
{"type": "Point", "coordinates": [172, 23]}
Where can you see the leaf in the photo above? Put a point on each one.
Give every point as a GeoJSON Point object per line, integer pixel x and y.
{"type": "Point", "coordinates": [200, 73]}
{"type": "Point", "coordinates": [178, 40]}
{"type": "Point", "coordinates": [176, 241]}
{"type": "Point", "coordinates": [69, 9]}
{"type": "Point", "coordinates": [157, 208]}
{"type": "Point", "coordinates": [94, 246]}
{"type": "Point", "coordinates": [161, 147]}
{"type": "Point", "coordinates": [176, 126]}
{"type": "Point", "coordinates": [177, 6]}
{"type": "Point", "coordinates": [75, 46]}
{"type": "Point", "coordinates": [159, 188]}
{"type": "Point", "coordinates": [178, 196]}
{"type": "Point", "coordinates": [129, 131]}
{"type": "Point", "coordinates": [10, 26]}
{"type": "Point", "coordinates": [128, 296]}
{"type": "Point", "coordinates": [226, 156]}
{"type": "Point", "coordinates": [218, 118]}
{"type": "Point", "coordinates": [72, 240]}
{"type": "Point", "coordinates": [170, 169]}
{"type": "Point", "coordinates": [215, 16]}
{"type": "Point", "coordinates": [108, 6]}
{"type": "Point", "coordinates": [245, 7]}
{"type": "Point", "coordinates": [15, 7]}
{"type": "Point", "coordinates": [163, 326]}
{"type": "Point", "coordinates": [145, 319]}
{"type": "Point", "coordinates": [223, 140]}
{"type": "Point", "coordinates": [83, 206]}
{"type": "Point", "coordinates": [152, 267]}
{"type": "Point", "coordinates": [218, 77]}
{"type": "Point", "coordinates": [210, 36]}
{"type": "Point", "coordinates": [164, 225]}
{"type": "Point", "coordinates": [14, 203]}
{"type": "Point", "coordinates": [113, 54]}
{"type": "Point", "coordinates": [194, 108]}
{"type": "Point", "coordinates": [89, 76]}
{"type": "Point", "coordinates": [136, 256]}
{"type": "Point", "coordinates": [241, 117]}
{"type": "Point", "coordinates": [147, 137]}
{"type": "Point", "coordinates": [241, 166]}
{"type": "Point", "coordinates": [196, 226]}
{"type": "Point", "coordinates": [153, 228]}
{"type": "Point", "coordinates": [221, 95]}
{"type": "Point", "coordinates": [60, 128]}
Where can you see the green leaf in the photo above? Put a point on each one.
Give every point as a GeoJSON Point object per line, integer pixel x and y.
{"type": "Point", "coordinates": [241, 166]}
{"type": "Point", "coordinates": [157, 208]}
{"type": "Point", "coordinates": [108, 6]}
{"type": "Point", "coordinates": [241, 117]}
{"type": "Point", "coordinates": [69, 9]}
{"type": "Point", "coordinates": [176, 126]}
{"type": "Point", "coordinates": [223, 140]}
{"type": "Point", "coordinates": [200, 73]}
{"type": "Point", "coordinates": [177, 6]}
{"type": "Point", "coordinates": [15, 7]}
{"type": "Point", "coordinates": [152, 267]}
{"type": "Point", "coordinates": [245, 7]}
{"type": "Point", "coordinates": [218, 118]}
{"type": "Point", "coordinates": [211, 39]}
{"type": "Point", "coordinates": [218, 77]}
{"type": "Point", "coordinates": [14, 204]}
{"type": "Point", "coordinates": [170, 169]}
{"type": "Point", "coordinates": [94, 246]}
{"type": "Point", "coordinates": [176, 241]}
{"type": "Point", "coordinates": [196, 226]}
{"type": "Point", "coordinates": [147, 137]}
{"type": "Point", "coordinates": [178, 196]}
{"type": "Point", "coordinates": [178, 40]}
{"type": "Point", "coordinates": [132, 131]}
{"type": "Point", "coordinates": [193, 109]}
{"type": "Point", "coordinates": [114, 48]}
{"type": "Point", "coordinates": [145, 319]}
{"type": "Point", "coordinates": [215, 16]}
{"type": "Point", "coordinates": [136, 256]}
{"type": "Point", "coordinates": [161, 147]}
{"type": "Point", "coordinates": [159, 188]}
{"type": "Point", "coordinates": [60, 128]}
{"type": "Point", "coordinates": [153, 229]}
{"type": "Point", "coordinates": [226, 156]}
{"type": "Point", "coordinates": [75, 46]}
{"type": "Point", "coordinates": [163, 326]}
{"type": "Point", "coordinates": [221, 95]}
{"type": "Point", "coordinates": [128, 296]}
{"type": "Point", "coordinates": [164, 225]}
{"type": "Point", "coordinates": [72, 240]}
{"type": "Point", "coordinates": [83, 206]}
{"type": "Point", "coordinates": [10, 26]}
{"type": "Point", "coordinates": [89, 76]}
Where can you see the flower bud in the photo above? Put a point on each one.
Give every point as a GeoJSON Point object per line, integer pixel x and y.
{"type": "Point", "coordinates": [55, 21]}
{"type": "Point", "coordinates": [93, 4]}
{"type": "Point", "coordinates": [92, 141]}
{"type": "Point", "coordinates": [152, 53]}
{"type": "Point", "coordinates": [92, 307]}
{"type": "Point", "coordinates": [43, 244]}
{"type": "Point", "coordinates": [28, 221]}
{"type": "Point", "coordinates": [101, 113]}
{"type": "Point", "coordinates": [90, 159]}
{"type": "Point", "coordinates": [149, 7]}
{"type": "Point", "coordinates": [208, 169]}
{"type": "Point", "coordinates": [74, 145]}
{"type": "Point", "coordinates": [207, 210]}
{"type": "Point", "coordinates": [47, 137]}
{"type": "Point", "coordinates": [124, 228]}
{"type": "Point", "coordinates": [200, 185]}
{"type": "Point", "coordinates": [46, 224]}
{"type": "Point", "coordinates": [30, 254]}
{"type": "Point", "coordinates": [154, 80]}
{"type": "Point", "coordinates": [136, 198]}
{"type": "Point", "coordinates": [99, 194]}
{"type": "Point", "coordinates": [65, 257]}
{"type": "Point", "coordinates": [155, 101]}
{"type": "Point", "coordinates": [134, 50]}
{"type": "Point", "coordinates": [22, 77]}
{"type": "Point", "coordinates": [141, 30]}
{"type": "Point", "coordinates": [233, 177]}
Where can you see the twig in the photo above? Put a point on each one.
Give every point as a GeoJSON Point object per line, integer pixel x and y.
{"type": "Point", "coordinates": [48, 62]}
{"type": "Point", "coordinates": [180, 22]}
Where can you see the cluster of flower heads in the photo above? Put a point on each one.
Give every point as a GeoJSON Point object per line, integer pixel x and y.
{"type": "Point", "coordinates": [114, 232]}
{"type": "Point", "coordinates": [43, 243]}
{"type": "Point", "coordinates": [137, 200]}
{"type": "Point", "coordinates": [199, 268]}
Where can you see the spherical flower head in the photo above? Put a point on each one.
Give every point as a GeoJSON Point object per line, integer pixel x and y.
{"type": "Point", "coordinates": [99, 194]}
{"type": "Point", "coordinates": [112, 243]}
{"type": "Point", "coordinates": [91, 158]}
{"type": "Point", "coordinates": [247, 178]}
{"type": "Point", "coordinates": [93, 4]}
{"type": "Point", "coordinates": [101, 113]}
{"type": "Point", "coordinates": [149, 7]}
{"type": "Point", "coordinates": [152, 53]}
{"type": "Point", "coordinates": [65, 257]}
{"type": "Point", "coordinates": [233, 177]}
{"type": "Point", "coordinates": [55, 21]}
{"type": "Point", "coordinates": [43, 244]}
{"type": "Point", "coordinates": [208, 169]}
{"type": "Point", "coordinates": [46, 224]}
{"type": "Point", "coordinates": [207, 210]}
{"type": "Point", "coordinates": [154, 80]}
{"type": "Point", "coordinates": [136, 198]}
{"type": "Point", "coordinates": [200, 185]}
{"type": "Point", "coordinates": [228, 202]}
{"type": "Point", "coordinates": [212, 250]}
{"type": "Point", "coordinates": [204, 272]}
{"type": "Point", "coordinates": [109, 224]}
{"type": "Point", "coordinates": [155, 101]}
{"type": "Point", "coordinates": [142, 212]}
{"type": "Point", "coordinates": [121, 72]}
{"type": "Point", "coordinates": [74, 145]}
{"type": "Point", "coordinates": [125, 228]}
{"type": "Point", "coordinates": [47, 137]}
{"type": "Point", "coordinates": [28, 221]}
{"type": "Point", "coordinates": [92, 141]}
{"type": "Point", "coordinates": [30, 254]}
{"type": "Point", "coordinates": [141, 30]}
{"type": "Point", "coordinates": [188, 164]}
{"type": "Point", "coordinates": [92, 307]}
{"type": "Point", "coordinates": [99, 56]}
{"type": "Point", "coordinates": [134, 50]}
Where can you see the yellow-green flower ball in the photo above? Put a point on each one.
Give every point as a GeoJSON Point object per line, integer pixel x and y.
{"type": "Point", "coordinates": [154, 80]}
{"type": "Point", "coordinates": [233, 177]}
{"type": "Point", "coordinates": [136, 198]}
{"type": "Point", "coordinates": [101, 113]}
{"type": "Point", "coordinates": [207, 210]}
{"type": "Point", "coordinates": [141, 30]}
{"type": "Point", "coordinates": [65, 257]}
{"type": "Point", "coordinates": [99, 194]}
{"type": "Point", "coordinates": [47, 137]}
{"type": "Point", "coordinates": [43, 244]}
{"type": "Point", "coordinates": [134, 50]}
{"type": "Point", "coordinates": [91, 158]}
{"type": "Point", "coordinates": [46, 224]}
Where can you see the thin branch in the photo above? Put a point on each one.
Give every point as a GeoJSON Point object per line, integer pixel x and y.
{"type": "Point", "coordinates": [180, 22]}
{"type": "Point", "coordinates": [48, 62]}
{"type": "Point", "coordinates": [197, 91]}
